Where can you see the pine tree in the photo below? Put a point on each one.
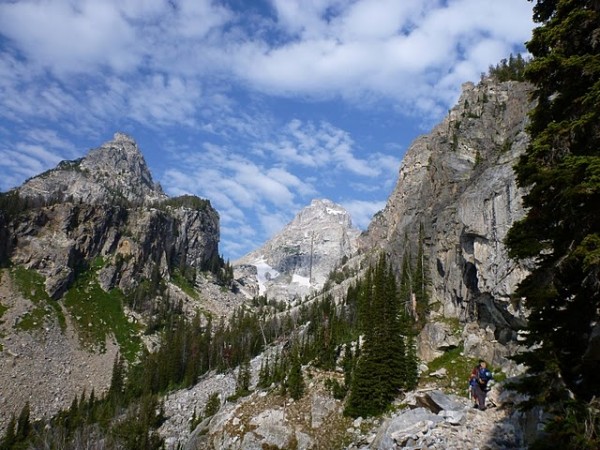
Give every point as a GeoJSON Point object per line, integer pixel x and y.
{"type": "Point", "coordinates": [23, 424]}
{"type": "Point", "coordinates": [117, 382]}
{"type": "Point", "coordinates": [380, 369]}
{"type": "Point", "coordinates": [10, 435]}
{"type": "Point", "coordinates": [243, 379]}
{"type": "Point", "coordinates": [561, 231]}
{"type": "Point", "coordinates": [561, 169]}
{"type": "Point", "coordinates": [295, 381]}
{"type": "Point", "coordinates": [421, 280]}
{"type": "Point", "coordinates": [264, 375]}
{"type": "Point", "coordinates": [411, 364]}
{"type": "Point", "coordinates": [212, 405]}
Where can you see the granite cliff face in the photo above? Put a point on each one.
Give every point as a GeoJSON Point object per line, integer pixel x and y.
{"type": "Point", "coordinates": [114, 172]}
{"type": "Point", "coordinates": [300, 257]}
{"type": "Point", "coordinates": [457, 183]}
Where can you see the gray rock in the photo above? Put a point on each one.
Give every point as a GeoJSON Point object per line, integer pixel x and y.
{"type": "Point", "coordinates": [441, 401]}
{"type": "Point", "coordinates": [400, 428]}
{"type": "Point", "coordinates": [457, 183]}
{"type": "Point", "coordinates": [106, 205]}
{"type": "Point", "coordinates": [440, 373]}
{"type": "Point", "coordinates": [299, 259]}
{"type": "Point", "coordinates": [435, 339]}
{"type": "Point", "coordinates": [321, 407]}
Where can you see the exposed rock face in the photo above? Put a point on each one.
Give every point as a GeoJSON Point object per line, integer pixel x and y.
{"type": "Point", "coordinates": [137, 241]}
{"type": "Point", "coordinates": [302, 255]}
{"type": "Point", "coordinates": [440, 421]}
{"type": "Point", "coordinates": [115, 171]}
{"type": "Point", "coordinates": [458, 184]}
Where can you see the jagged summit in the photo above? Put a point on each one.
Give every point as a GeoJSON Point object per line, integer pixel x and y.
{"type": "Point", "coordinates": [112, 172]}
{"type": "Point", "coordinates": [302, 255]}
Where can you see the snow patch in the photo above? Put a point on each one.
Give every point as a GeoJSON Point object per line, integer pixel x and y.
{"type": "Point", "coordinates": [264, 273]}
{"type": "Point", "coordinates": [302, 281]}
{"type": "Point", "coordinates": [335, 212]}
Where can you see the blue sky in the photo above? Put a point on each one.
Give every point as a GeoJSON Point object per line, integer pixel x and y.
{"type": "Point", "coordinates": [258, 106]}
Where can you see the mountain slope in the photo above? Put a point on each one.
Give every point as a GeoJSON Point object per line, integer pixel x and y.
{"type": "Point", "coordinates": [90, 252]}
{"type": "Point", "coordinates": [115, 171]}
{"type": "Point", "coordinates": [299, 258]}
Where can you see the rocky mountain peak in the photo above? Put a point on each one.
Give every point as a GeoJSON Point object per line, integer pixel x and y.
{"type": "Point", "coordinates": [302, 255]}
{"type": "Point", "coordinates": [114, 172]}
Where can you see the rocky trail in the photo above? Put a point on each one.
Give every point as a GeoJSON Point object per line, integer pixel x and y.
{"type": "Point", "coordinates": [435, 420]}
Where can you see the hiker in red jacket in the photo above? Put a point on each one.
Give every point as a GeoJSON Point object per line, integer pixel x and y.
{"type": "Point", "coordinates": [478, 384]}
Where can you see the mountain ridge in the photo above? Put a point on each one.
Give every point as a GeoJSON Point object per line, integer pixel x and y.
{"type": "Point", "coordinates": [298, 259]}
{"type": "Point", "coordinates": [112, 172]}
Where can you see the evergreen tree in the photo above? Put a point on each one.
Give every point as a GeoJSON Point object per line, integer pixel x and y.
{"type": "Point", "coordinates": [412, 364]}
{"type": "Point", "coordinates": [117, 381]}
{"type": "Point", "coordinates": [295, 381]}
{"type": "Point", "coordinates": [10, 434]}
{"type": "Point", "coordinates": [243, 379]}
{"type": "Point", "coordinates": [421, 280]}
{"type": "Point", "coordinates": [213, 404]}
{"type": "Point", "coordinates": [264, 375]}
{"type": "Point", "coordinates": [380, 370]}
{"type": "Point", "coordinates": [23, 424]}
{"type": "Point", "coordinates": [512, 68]}
{"type": "Point", "coordinates": [561, 231]}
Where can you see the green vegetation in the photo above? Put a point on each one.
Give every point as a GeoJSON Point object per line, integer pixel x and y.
{"type": "Point", "coordinates": [192, 348]}
{"type": "Point", "coordinates": [184, 284]}
{"type": "Point", "coordinates": [3, 309]}
{"type": "Point", "coordinates": [415, 281]}
{"type": "Point", "coordinates": [385, 365]}
{"type": "Point", "coordinates": [185, 201]}
{"type": "Point", "coordinates": [31, 285]}
{"type": "Point", "coordinates": [458, 367]}
{"type": "Point", "coordinates": [98, 314]}
{"type": "Point", "coordinates": [561, 232]}
{"type": "Point", "coordinates": [512, 68]}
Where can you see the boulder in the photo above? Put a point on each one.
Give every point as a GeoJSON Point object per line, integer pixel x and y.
{"type": "Point", "coordinates": [435, 339]}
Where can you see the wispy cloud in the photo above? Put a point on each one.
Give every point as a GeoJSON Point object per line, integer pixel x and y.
{"type": "Point", "coordinates": [205, 78]}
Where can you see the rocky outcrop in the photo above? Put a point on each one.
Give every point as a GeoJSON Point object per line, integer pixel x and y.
{"type": "Point", "coordinates": [435, 420]}
{"type": "Point", "coordinates": [114, 172]}
{"type": "Point", "coordinates": [106, 206]}
{"type": "Point", "coordinates": [300, 258]}
{"type": "Point", "coordinates": [457, 183]}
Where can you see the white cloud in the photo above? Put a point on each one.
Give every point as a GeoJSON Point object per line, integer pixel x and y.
{"type": "Point", "coordinates": [203, 75]}
{"type": "Point", "coordinates": [68, 37]}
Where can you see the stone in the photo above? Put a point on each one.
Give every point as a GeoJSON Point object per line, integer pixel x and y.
{"type": "Point", "coordinates": [440, 373]}
{"type": "Point", "coordinates": [321, 407]}
{"type": "Point", "coordinates": [435, 339]}
{"type": "Point", "coordinates": [444, 401]}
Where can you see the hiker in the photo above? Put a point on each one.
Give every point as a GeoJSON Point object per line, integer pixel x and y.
{"type": "Point", "coordinates": [478, 384]}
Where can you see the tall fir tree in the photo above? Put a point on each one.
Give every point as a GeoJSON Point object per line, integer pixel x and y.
{"type": "Point", "coordinates": [10, 434]}
{"type": "Point", "coordinates": [561, 231]}
{"type": "Point", "coordinates": [380, 369]}
{"type": "Point", "coordinates": [295, 380]}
